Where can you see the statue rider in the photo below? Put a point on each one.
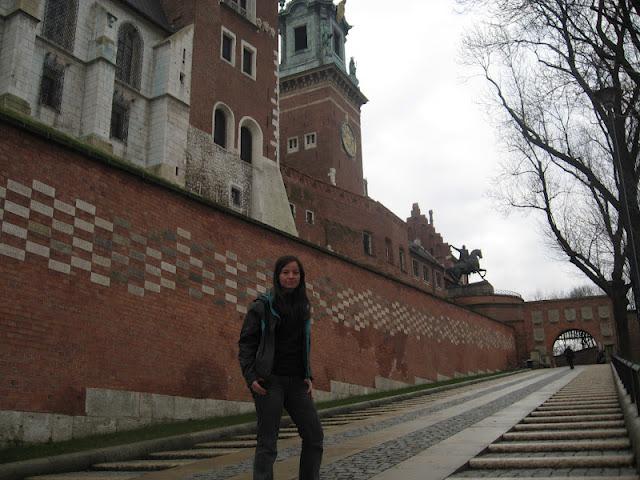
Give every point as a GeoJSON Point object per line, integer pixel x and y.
{"type": "Point", "coordinates": [464, 253]}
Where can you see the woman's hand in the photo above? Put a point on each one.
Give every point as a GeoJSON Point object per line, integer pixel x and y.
{"type": "Point", "coordinates": [259, 389]}
{"type": "Point", "coordinates": [309, 386]}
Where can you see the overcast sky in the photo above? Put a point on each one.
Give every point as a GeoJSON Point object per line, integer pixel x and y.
{"type": "Point", "coordinates": [427, 139]}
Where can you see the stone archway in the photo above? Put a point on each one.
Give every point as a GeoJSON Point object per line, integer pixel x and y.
{"type": "Point", "coordinates": [583, 344]}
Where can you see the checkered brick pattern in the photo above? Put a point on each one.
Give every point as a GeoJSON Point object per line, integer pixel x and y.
{"type": "Point", "coordinates": [72, 235]}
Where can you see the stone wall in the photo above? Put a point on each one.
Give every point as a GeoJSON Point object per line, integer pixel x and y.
{"type": "Point", "coordinates": [127, 292]}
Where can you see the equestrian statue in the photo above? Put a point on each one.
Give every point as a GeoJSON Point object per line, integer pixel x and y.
{"type": "Point", "coordinates": [466, 263]}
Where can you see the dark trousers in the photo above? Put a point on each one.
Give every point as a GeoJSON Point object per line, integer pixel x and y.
{"type": "Point", "coordinates": [291, 394]}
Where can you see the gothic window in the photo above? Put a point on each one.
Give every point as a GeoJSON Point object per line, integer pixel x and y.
{"type": "Point", "coordinates": [119, 117]}
{"type": "Point", "coordinates": [367, 243]}
{"type": "Point", "coordinates": [300, 38]}
{"type": "Point", "coordinates": [220, 128]}
{"type": "Point", "coordinates": [52, 82]}
{"type": "Point", "coordinates": [60, 22]}
{"type": "Point", "coordinates": [129, 58]}
{"type": "Point", "coordinates": [246, 144]}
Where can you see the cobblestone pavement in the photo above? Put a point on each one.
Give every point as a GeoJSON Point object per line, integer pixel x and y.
{"type": "Point", "coordinates": [372, 461]}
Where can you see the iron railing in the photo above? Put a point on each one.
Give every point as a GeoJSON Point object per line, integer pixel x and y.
{"type": "Point", "coordinates": [629, 374]}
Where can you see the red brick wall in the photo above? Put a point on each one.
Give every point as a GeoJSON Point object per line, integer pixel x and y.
{"type": "Point", "coordinates": [155, 287]}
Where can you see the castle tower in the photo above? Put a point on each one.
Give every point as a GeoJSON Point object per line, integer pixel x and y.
{"type": "Point", "coordinates": [319, 96]}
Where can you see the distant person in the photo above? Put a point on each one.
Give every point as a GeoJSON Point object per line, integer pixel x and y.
{"type": "Point", "coordinates": [569, 354]}
{"type": "Point", "coordinates": [274, 357]}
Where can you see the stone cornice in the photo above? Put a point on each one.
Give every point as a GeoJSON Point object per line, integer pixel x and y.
{"type": "Point", "coordinates": [325, 73]}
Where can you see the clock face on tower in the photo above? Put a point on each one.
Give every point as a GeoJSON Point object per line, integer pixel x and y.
{"type": "Point", "coordinates": [348, 140]}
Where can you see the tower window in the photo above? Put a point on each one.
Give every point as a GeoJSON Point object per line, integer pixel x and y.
{"type": "Point", "coordinates": [310, 217]}
{"type": "Point", "coordinates": [293, 209]}
{"type": "Point", "coordinates": [119, 117]}
{"type": "Point", "coordinates": [246, 144]}
{"type": "Point", "coordinates": [51, 83]}
{"type": "Point", "coordinates": [129, 57]}
{"type": "Point", "coordinates": [438, 280]}
{"type": "Point", "coordinates": [60, 22]}
{"type": "Point", "coordinates": [292, 145]}
{"type": "Point", "coordinates": [337, 43]}
{"type": "Point", "coordinates": [220, 128]}
{"type": "Point", "coordinates": [403, 267]}
{"type": "Point", "coordinates": [228, 46]}
{"type": "Point", "coordinates": [416, 268]}
{"type": "Point", "coordinates": [367, 243]}
{"type": "Point", "coordinates": [310, 140]}
{"type": "Point", "coordinates": [300, 38]}
{"type": "Point", "coordinates": [248, 60]}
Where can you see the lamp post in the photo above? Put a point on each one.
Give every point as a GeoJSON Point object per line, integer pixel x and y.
{"type": "Point", "coordinates": [607, 98]}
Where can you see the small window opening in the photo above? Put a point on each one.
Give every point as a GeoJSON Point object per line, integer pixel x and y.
{"type": "Point", "coordinates": [292, 145]}
{"type": "Point", "coordinates": [247, 61]}
{"type": "Point", "coordinates": [425, 273]}
{"type": "Point", "coordinates": [227, 47]}
{"type": "Point", "coordinates": [367, 243]}
{"type": "Point", "coordinates": [119, 117]}
{"type": "Point", "coordinates": [236, 197]}
{"type": "Point", "coordinates": [337, 43]}
{"type": "Point", "coordinates": [309, 140]}
{"type": "Point", "coordinates": [403, 267]}
{"type": "Point", "coordinates": [310, 217]}
{"type": "Point", "coordinates": [293, 209]}
{"type": "Point", "coordinates": [388, 253]}
{"type": "Point", "coordinates": [416, 268]}
{"type": "Point", "coordinates": [300, 38]}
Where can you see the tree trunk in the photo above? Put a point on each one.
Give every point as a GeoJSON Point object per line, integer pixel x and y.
{"type": "Point", "coordinates": [619, 299]}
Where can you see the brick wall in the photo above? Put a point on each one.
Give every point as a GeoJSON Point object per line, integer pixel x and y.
{"type": "Point", "coordinates": [114, 282]}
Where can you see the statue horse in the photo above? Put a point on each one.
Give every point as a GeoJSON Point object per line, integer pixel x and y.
{"type": "Point", "coordinates": [467, 266]}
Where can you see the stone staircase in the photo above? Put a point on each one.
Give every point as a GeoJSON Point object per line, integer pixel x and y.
{"type": "Point", "coordinates": [577, 433]}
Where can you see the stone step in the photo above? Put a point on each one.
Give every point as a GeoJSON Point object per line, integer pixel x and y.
{"type": "Point", "coordinates": [87, 476]}
{"type": "Point", "coordinates": [227, 444]}
{"type": "Point", "coordinates": [335, 422]}
{"type": "Point", "coordinates": [583, 399]}
{"type": "Point", "coordinates": [572, 412]}
{"type": "Point", "coordinates": [566, 434]}
{"type": "Point", "coordinates": [589, 477]}
{"type": "Point", "coordinates": [252, 436]}
{"type": "Point", "coordinates": [571, 406]}
{"type": "Point", "coordinates": [573, 418]}
{"type": "Point", "coordinates": [577, 461]}
{"type": "Point", "coordinates": [141, 465]}
{"type": "Point", "coordinates": [569, 425]}
{"type": "Point", "coordinates": [556, 446]}
{"type": "Point", "coordinates": [192, 453]}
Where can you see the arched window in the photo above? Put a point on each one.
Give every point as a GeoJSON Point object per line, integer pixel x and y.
{"type": "Point", "coordinates": [129, 58]}
{"type": "Point", "coordinates": [60, 22]}
{"type": "Point", "coordinates": [246, 144]}
{"type": "Point", "coordinates": [220, 128]}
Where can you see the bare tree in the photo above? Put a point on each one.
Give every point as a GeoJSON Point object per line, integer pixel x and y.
{"type": "Point", "coordinates": [565, 75]}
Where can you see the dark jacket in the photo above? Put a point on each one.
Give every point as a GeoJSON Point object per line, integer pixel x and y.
{"type": "Point", "coordinates": [256, 347]}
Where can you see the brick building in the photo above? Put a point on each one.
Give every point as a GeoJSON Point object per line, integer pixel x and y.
{"type": "Point", "coordinates": [187, 90]}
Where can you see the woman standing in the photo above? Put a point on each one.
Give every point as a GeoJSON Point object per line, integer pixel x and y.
{"type": "Point", "coordinates": [274, 356]}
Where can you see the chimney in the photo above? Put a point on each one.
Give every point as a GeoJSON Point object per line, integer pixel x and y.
{"type": "Point", "coordinates": [431, 217]}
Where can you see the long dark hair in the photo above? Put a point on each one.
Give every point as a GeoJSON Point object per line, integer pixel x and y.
{"type": "Point", "coordinates": [291, 304]}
